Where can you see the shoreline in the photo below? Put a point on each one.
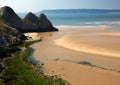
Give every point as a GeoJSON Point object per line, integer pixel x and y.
{"type": "Point", "coordinates": [56, 58]}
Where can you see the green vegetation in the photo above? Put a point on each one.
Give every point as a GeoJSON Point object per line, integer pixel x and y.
{"type": "Point", "coordinates": [20, 72]}
{"type": "Point", "coordinates": [86, 63]}
{"type": "Point", "coordinates": [27, 44]}
{"type": "Point", "coordinates": [92, 65]}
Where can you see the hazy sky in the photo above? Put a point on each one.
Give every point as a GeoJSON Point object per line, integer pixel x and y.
{"type": "Point", "coordinates": [37, 5]}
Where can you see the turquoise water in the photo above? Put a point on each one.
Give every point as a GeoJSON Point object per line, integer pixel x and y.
{"type": "Point", "coordinates": [84, 19]}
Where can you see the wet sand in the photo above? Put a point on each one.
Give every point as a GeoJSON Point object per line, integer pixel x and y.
{"type": "Point", "coordinates": [61, 51]}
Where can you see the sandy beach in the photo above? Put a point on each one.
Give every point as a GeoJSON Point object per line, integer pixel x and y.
{"type": "Point", "coordinates": [62, 51]}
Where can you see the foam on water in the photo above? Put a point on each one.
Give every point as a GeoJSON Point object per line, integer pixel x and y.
{"type": "Point", "coordinates": [85, 19]}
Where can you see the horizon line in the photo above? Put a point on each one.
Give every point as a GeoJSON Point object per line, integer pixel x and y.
{"type": "Point", "coordinates": [69, 9]}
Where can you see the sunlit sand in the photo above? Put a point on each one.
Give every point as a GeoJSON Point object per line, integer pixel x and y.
{"type": "Point", "coordinates": [61, 51]}
{"type": "Point", "coordinates": [91, 43]}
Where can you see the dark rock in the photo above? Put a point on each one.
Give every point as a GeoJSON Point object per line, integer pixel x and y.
{"type": "Point", "coordinates": [10, 17]}
{"type": "Point", "coordinates": [10, 36]}
{"type": "Point", "coordinates": [1, 68]}
{"type": "Point", "coordinates": [44, 24]}
{"type": "Point", "coordinates": [40, 23]}
{"type": "Point", "coordinates": [31, 18]}
{"type": "Point", "coordinates": [30, 23]}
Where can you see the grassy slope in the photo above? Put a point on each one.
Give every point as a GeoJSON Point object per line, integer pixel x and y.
{"type": "Point", "coordinates": [21, 72]}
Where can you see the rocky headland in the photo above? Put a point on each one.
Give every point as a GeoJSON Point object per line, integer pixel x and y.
{"type": "Point", "coordinates": [12, 28]}
{"type": "Point", "coordinates": [31, 23]}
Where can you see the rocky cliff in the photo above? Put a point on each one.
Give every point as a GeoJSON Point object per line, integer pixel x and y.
{"type": "Point", "coordinates": [12, 28]}
{"type": "Point", "coordinates": [41, 23]}
{"type": "Point", "coordinates": [10, 18]}
{"type": "Point", "coordinates": [9, 38]}
{"type": "Point", "coordinates": [45, 24]}
{"type": "Point", "coordinates": [30, 23]}
{"type": "Point", "coordinates": [31, 18]}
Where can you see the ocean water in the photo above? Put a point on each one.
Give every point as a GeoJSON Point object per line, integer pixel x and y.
{"type": "Point", "coordinates": [87, 18]}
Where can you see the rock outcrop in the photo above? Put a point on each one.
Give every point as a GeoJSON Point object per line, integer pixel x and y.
{"type": "Point", "coordinates": [1, 68]}
{"type": "Point", "coordinates": [41, 23]}
{"type": "Point", "coordinates": [31, 18]}
{"type": "Point", "coordinates": [10, 18]}
{"type": "Point", "coordinates": [44, 24]}
{"type": "Point", "coordinates": [9, 37]}
{"type": "Point", "coordinates": [12, 28]}
{"type": "Point", "coordinates": [30, 23]}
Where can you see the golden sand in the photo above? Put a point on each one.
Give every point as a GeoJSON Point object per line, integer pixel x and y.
{"type": "Point", "coordinates": [91, 44]}
{"type": "Point", "coordinates": [77, 74]}
{"type": "Point", "coordinates": [33, 36]}
{"type": "Point", "coordinates": [60, 52]}
{"type": "Point", "coordinates": [114, 34]}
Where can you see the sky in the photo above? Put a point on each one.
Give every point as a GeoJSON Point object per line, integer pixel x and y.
{"type": "Point", "coordinates": [38, 5]}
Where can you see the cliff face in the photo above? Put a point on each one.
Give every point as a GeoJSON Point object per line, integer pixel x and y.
{"type": "Point", "coordinates": [41, 23]}
{"type": "Point", "coordinates": [30, 23]}
{"type": "Point", "coordinates": [10, 18]}
{"type": "Point", "coordinates": [31, 18]}
{"type": "Point", "coordinates": [9, 31]}
{"type": "Point", "coordinates": [12, 28]}
{"type": "Point", "coordinates": [45, 24]}
{"type": "Point", "coordinates": [9, 38]}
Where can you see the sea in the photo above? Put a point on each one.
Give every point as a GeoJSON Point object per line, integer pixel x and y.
{"type": "Point", "coordinates": [84, 17]}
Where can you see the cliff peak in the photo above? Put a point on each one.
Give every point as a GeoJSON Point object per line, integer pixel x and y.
{"type": "Point", "coordinates": [9, 17]}
{"type": "Point", "coordinates": [31, 17]}
{"type": "Point", "coordinates": [45, 23]}
{"type": "Point", "coordinates": [31, 23]}
{"type": "Point", "coordinates": [4, 10]}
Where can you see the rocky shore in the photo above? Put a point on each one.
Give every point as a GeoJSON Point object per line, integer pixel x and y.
{"type": "Point", "coordinates": [12, 28]}
{"type": "Point", "coordinates": [15, 53]}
